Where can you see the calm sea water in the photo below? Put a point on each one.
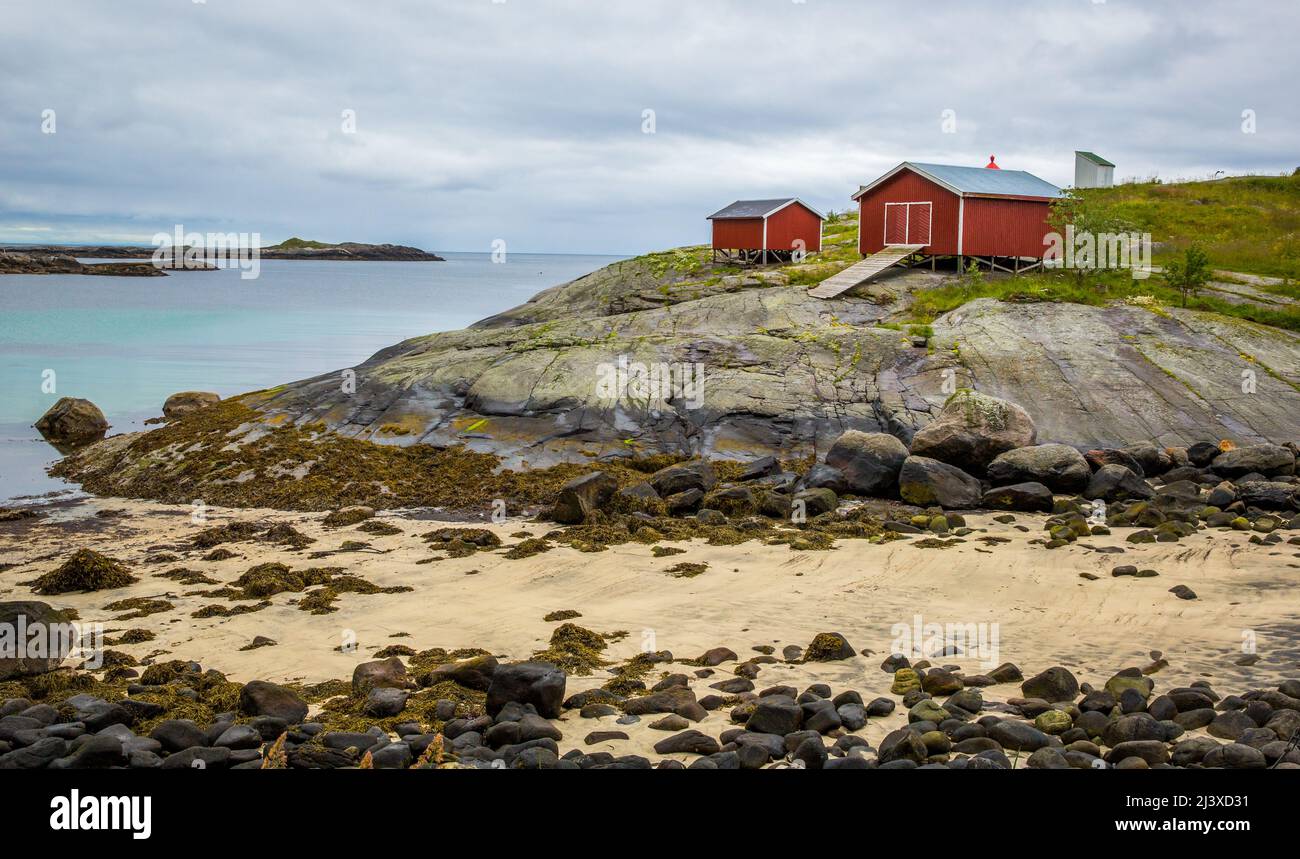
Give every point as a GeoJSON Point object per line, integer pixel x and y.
{"type": "Point", "coordinates": [127, 343]}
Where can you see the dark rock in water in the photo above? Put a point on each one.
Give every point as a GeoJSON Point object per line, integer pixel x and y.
{"type": "Point", "coordinates": [1059, 467]}
{"type": "Point", "coordinates": [924, 482]}
{"type": "Point", "coordinates": [33, 615]}
{"type": "Point", "coordinates": [72, 421]}
{"type": "Point", "coordinates": [185, 402]}
{"type": "Point", "coordinates": [1117, 483]}
{"type": "Point", "coordinates": [538, 683]}
{"type": "Point", "coordinates": [1183, 592]}
{"type": "Point", "coordinates": [684, 476]}
{"type": "Point", "coordinates": [1267, 459]}
{"type": "Point", "coordinates": [822, 476]}
{"type": "Point", "coordinates": [972, 429]}
{"type": "Point", "coordinates": [870, 462]}
{"type": "Point", "coordinates": [387, 673]}
{"type": "Point", "coordinates": [473, 673]}
{"type": "Point", "coordinates": [688, 741]}
{"type": "Point", "coordinates": [1021, 497]}
{"type": "Point", "coordinates": [581, 496]}
{"type": "Point", "coordinates": [1053, 685]}
{"type": "Point", "coordinates": [260, 698]}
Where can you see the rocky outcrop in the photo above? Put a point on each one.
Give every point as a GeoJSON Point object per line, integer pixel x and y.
{"type": "Point", "coordinates": [746, 366]}
{"type": "Point", "coordinates": [44, 261]}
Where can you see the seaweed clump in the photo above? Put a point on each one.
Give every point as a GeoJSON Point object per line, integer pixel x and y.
{"type": "Point", "coordinates": [138, 607]}
{"type": "Point", "coordinates": [686, 570]}
{"type": "Point", "coordinates": [575, 649]}
{"type": "Point", "coordinates": [562, 614]}
{"type": "Point", "coordinates": [528, 548]}
{"type": "Point", "coordinates": [86, 570]}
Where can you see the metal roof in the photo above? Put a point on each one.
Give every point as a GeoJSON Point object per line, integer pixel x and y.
{"type": "Point", "coordinates": [1094, 158]}
{"type": "Point", "coordinates": [977, 181]}
{"type": "Point", "coordinates": [747, 209]}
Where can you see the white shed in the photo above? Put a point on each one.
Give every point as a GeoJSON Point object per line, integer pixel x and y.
{"type": "Point", "coordinates": [1092, 171]}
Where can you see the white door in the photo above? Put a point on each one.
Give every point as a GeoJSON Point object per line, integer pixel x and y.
{"type": "Point", "coordinates": [908, 223]}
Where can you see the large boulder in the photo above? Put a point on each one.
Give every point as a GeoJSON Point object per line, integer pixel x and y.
{"type": "Point", "coordinates": [870, 462]}
{"type": "Point", "coordinates": [21, 619]}
{"type": "Point", "coordinates": [1059, 467]}
{"type": "Point", "coordinates": [72, 421]}
{"type": "Point", "coordinates": [924, 481]}
{"type": "Point", "coordinates": [261, 698]}
{"type": "Point", "coordinates": [1270, 460]}
{"type": "Point", "coordinates": [582, 496]}
{"type": "Point", "coordinates": [1117, 483]}
{"type": "Point", "coordinates": [186, 402]}
{"type": "Point", "coordinates": [972, 429]}
{"type": "Point", "coordinates": [538, 683]}
{"type": "Point", "coordinates": [697, 474]}
{"type": "Point", "coordinates": [1022, 497]}
{"type": "Point", "coordinates": [1053, 685]}
{"type": "Point", "coordinates": [387, 673]}
{"type": "Point", "coordinates": [473, 673]}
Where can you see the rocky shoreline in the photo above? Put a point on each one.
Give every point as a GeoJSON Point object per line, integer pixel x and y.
{"type": "Point", "coordinates": [568, 705]}
{"type": "Point", "coordinates": [343, 251]}
{"type": "Point", "coordinates": [49, 261]}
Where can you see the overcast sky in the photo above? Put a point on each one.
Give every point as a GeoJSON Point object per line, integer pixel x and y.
{"type": "Point", "coordinates": [524, 120]}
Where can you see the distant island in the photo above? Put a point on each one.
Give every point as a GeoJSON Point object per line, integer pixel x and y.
{"type": "Point", "coordinates": [62, 259]}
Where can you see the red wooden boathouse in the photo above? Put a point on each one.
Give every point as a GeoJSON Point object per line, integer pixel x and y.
{"type": "Point", "coordinates": [956, 211]}
{"type": "Point", "coordinates": [753, 231]}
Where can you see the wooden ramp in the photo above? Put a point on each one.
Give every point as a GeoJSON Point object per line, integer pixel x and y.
{"type": "Point", "coordinates": [863, 271]}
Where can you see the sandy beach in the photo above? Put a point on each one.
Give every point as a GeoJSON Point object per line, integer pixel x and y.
{"type": "Point", "coordinates": [1034, 606]}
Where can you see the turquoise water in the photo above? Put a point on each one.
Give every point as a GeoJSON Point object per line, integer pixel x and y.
{"type": "Point", "coordinates": [127, 343]}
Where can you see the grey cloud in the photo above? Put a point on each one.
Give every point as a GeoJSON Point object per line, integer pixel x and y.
{"type": "Point", "coordinates": [522, 120]}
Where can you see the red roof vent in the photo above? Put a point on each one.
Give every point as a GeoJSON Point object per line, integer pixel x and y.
{"type": "Point", "coordinates": [993, 164]}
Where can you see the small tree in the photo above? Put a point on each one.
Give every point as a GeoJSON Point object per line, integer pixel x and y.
{"type": "Point", "coordinates": [1190, 273]}
{"type": "Point", "coordinates": [1091, 215]}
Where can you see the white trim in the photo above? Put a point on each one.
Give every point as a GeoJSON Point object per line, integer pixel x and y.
{"type": "Point", "coordinates": [791, 202]}
{"type": "Point", "coordinates": [764, 234]}
{"type": "Point", "coordinates": [961, 223]}
{"type": "Point", "coordinates": [917, 170]}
